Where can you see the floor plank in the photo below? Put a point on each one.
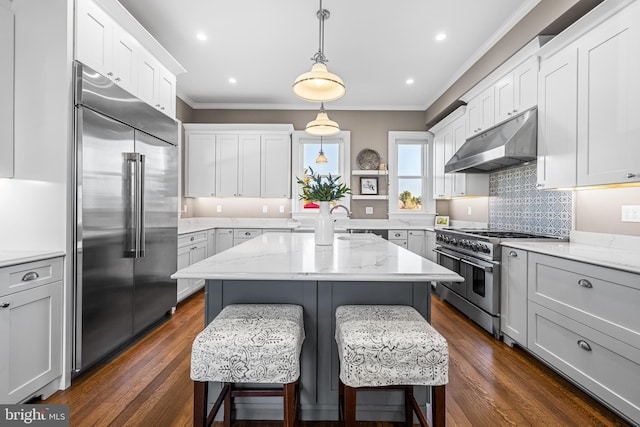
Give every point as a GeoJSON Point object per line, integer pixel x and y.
{"type": "Point", "coordinates": [490, 384]}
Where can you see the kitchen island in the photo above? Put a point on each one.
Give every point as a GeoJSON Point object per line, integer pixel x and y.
{"type": "Point", "coordinates": [290, 268]}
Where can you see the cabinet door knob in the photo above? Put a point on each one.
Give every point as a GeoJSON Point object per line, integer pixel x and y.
{"type": "Point", "coordinates": [118, 79]}
{"type": "Point", "coordinates": [192, 238]}
{"type": "Point", "coordinates": [513, 254]}
{"type": "Point", "coordinates": [4, 304]}
{"type": "Point", "coordinates": [109, 74]}
{"type": "Point", "coordinates": [631, 175]}
{"type": "Point", "coordinates": [585, 283]}
{"type": "Point", "coordinates": [509, 113]}
{"type": "Point", "coordinates": [584, 345]}
{"type": "Point", "coordinates": [32, 275]}
{"type": "Point", "coordinates": [540, 185]}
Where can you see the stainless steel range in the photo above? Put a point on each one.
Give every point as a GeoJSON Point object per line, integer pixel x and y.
{"type": "Point", "coordinates": [475, 255]}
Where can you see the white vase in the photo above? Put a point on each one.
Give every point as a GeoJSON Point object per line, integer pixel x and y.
{"type": "Point", "coordinates": [324, 226]}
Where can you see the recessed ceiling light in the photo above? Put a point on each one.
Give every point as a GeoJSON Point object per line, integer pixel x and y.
{"type": "Point", "coordinates": [232, 80]}
{"type": "Point", "coordinates": [201, 36]}
{"type": "Point", "coordinates": [409, 81]}
{"type": "Point", "coordinates": [441, 36]}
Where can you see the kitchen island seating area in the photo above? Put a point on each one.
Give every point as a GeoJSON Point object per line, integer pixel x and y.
{"type": "Point", "coordinates": [248, 343]}
{"type": "Point", "coordinates": [390, 347]}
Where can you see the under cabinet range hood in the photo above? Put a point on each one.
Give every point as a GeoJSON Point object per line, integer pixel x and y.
{"type": "Point", "coordinates": [508, 144]}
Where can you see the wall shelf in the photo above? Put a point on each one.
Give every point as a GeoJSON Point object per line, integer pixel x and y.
{"type": "Point", "coordinates": [369, 172]}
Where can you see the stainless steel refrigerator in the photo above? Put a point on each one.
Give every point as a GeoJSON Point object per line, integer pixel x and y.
{"type": "Point", "coordinates": [126, 205]}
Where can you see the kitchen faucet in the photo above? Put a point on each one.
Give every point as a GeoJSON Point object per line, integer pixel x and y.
{"type": "Point", "coordinates": [343, 207]}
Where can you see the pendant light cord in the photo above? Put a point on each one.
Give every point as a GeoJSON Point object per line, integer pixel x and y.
{"type": "Point", "coordinates": [319, 56]}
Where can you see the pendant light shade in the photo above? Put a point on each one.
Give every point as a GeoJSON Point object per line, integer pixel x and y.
{"type": "Point", "coordinates": [319, 85]}
{"type": "Point", "coordinates": [321, 157]}
{"type": "Point", "coordinates": [322, 125]}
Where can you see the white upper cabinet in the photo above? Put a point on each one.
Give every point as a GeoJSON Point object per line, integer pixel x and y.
{"type": "Point", "coordinates": [226, 165]}
{"type": "Point", "coordinates": [200, 165]}
{"type": "Point", "coordinates": [109, 48]}
{"type": "Point", "coordinates": [588, 129]}
{"type": "Point", "coordinates": [275, 170]}
{"type": "Point", "coordinates": [557, 109]}
{"type": "Point", "coordinates": [238, 166]}
{"type": "Point", "coordinates": [608, 101]}
{"type": "Point", "coordinates": [517, 91]}
{"type": "Point", "coordinates": [481, 112]}
{"type": "Point", "coordinates": [442, 152]}
{"type": "Point", "coordinates": [6, 89]}
{"type": "Point", "coordinates": [249, 152]}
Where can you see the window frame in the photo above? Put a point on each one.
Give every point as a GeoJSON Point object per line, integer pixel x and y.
{"type": "Point", "coordinates": [425, 139]}
{"type": "Point", "coordinates": [300, 138]}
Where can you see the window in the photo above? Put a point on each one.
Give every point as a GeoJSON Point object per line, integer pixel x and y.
{"type": "Point", "coordinates": [409, 184]}
{"type": "Point", "coordinates": [304, 152]}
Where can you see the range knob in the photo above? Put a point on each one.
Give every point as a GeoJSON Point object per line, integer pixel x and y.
{"type": "Point", "coordinates": [485, 249]}
{"type": "Point", "coordinates": [445, 239]}
{"type": "Point", "coordinates": [454, 242]}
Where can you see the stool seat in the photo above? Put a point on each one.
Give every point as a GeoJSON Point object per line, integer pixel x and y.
{"type": "Point", "coordinates": [387, 345]}
{"type": "Point", "coordinates": [256, 343]}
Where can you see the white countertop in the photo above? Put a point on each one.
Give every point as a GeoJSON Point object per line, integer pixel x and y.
{"type": "Point", "coordinates": [8, 258]}
{"type": "Point", "coordinates": [192, 225]}
{"type": "Point", "coordinates": [295, 256]}
{"type": "Point", "coordinates": [605, 256]}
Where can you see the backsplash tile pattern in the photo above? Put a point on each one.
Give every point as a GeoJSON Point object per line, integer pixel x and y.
{"type": "Point", "coordinates": [516, 204]}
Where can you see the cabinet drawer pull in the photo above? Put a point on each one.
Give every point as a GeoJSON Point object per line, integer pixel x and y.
{"type": "Point", "coordinates": [585, 283]}
{"type": "Point", "coordinates": [584, 345]}
{"type": "Point", "coordinates": [247, 233]}
{"type": "Point", "coordinates": [4, 304]}
{"type": "Point", "coordinates": [32, 275]}
{"type": "Point", "coordinates": [513, 254]}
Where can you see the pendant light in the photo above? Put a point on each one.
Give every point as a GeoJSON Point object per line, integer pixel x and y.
{"type": "Point", "coordinates": [319, 84]}
{"type": "Point", "coordinates": [322, 125]}
{"type": "Point", "coordinates": [321, 158]}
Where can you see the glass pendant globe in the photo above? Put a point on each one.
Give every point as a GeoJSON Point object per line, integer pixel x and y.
{"type": "Point", "coordinates": [319, 85]}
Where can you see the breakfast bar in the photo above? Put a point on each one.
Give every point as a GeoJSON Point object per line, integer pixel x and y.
{"type": "Point", "coordinates": [290, 268]}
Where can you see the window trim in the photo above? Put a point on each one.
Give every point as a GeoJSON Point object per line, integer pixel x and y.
{"type": "Point", "coordinates": [428, 203]}
{"type": "Point", "coordinates": [299, 138]}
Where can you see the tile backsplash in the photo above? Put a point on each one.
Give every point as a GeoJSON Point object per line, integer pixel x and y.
{"type": "Point", "coordinates": [516, 204]}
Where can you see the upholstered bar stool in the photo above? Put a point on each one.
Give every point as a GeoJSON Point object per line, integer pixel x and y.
{"type": "Point", "coordinates": [248, 343]}
{"type": "Point", "coordinates": [390, 347]}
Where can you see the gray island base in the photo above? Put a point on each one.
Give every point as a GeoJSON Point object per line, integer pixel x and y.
{"type": "Point", "coordinates": [290, 268]}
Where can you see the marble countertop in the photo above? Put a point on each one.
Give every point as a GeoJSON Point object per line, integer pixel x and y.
{"type": "Point", "coordinates": [8, 258]}
{"type": "Point", "coordinates": [192, 225]}
{"type": "Point", "coordinates": [618, 258]}
{"type": "Point", "coordinates": [295, 256]}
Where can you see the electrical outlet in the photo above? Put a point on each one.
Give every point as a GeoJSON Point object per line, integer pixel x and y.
{"type": "Point", "coordinates": [630, 213]}
{"type": "Point", "coordinates": [368, 210]}
{"type": "Point", "coordinates": [185, 208]}
{"type": "Point", "coordinates": [281, 209]}
{"type": "Point", "coordinates": [265, 209]}
{"type": "Point", "coordinates": [219, 208]}
{"type": "Point", "coordinates": [468, 210]}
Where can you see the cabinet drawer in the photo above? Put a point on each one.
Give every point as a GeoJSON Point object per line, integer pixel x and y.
{"type": "Point", "coordinates": [609, 369]}
{"type": "Point", "coordinates": [246, 233]}
{"type": "Point", "coordinates": [600, 297]}
{"type": "Point", "coordinates": [397, 234]}
{"type": "Point", "coordinates": [29, 275]}
{"type": "Point", "coordinates": [192, 238]}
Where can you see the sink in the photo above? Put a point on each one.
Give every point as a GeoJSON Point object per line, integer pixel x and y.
{"type": "Point", "coordinates": [358, 236]}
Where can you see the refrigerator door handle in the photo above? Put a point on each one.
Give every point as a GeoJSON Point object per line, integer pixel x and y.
{"type": "Point", "coordinates": [141, 207]}
{"type": "Point", "coordinates": [131, 203]}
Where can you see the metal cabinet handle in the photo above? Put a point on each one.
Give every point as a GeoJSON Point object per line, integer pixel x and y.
{"type": "Point", "coordinates": [4, 304]}
{"type": "Point", "coordinates": [109, 74]}
{"type": "Point", "coordinates": [118, 79]}
{"type": "Point", "coordinates": [631, 175]}
{"type": "Point", "coordinates": [482, 267]}
{"type": "Point", "coordinates": [509, 113]}
{"type": "Point", "coordinates": [584, 345]}
{"type": "Point", "coordinates": [32, 275]}
{"type": "Point", "coordinates": [447, 255]}
{"type": "Point", "coordinates": [247, 233]}
{"type": "Point", "coordinates": [585, 283]}
{"type": "Point", "coordinates": [192, 238]}
{"type": "Point", "coordinates": [513, 254]}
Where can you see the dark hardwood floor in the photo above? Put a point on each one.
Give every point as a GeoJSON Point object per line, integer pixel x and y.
{"type": "Point", "coordinates": [490, 384]}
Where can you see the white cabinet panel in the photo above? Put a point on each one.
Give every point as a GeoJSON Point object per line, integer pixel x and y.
{"type": "Point", "coordinates": [6, 89]}
{"type": "Point", "coordinates": [200, 173]}
{"type": "Point", "coordinates": [481, 112]}
{"type": "Point", "coordinates": [275, 171]}
{"type": "Point", "coordinates": [94, 37]}
{"type": "Point", "coordinates": [513, 296]}
{"type": "Point", "coordinates": [125, 59]}
{"type": "Point", "coordinates": [504, 102]}
{"type": "Point", "coordinates": [226, 165]}
{"type": "Point", "coordinates": [249, 151]}
{"type": "Point", "coordinates": [557, 116]}
{"type": "Point", "coordinates": [416, 242]}
{"type": "Point", "coordinates": [192, 248]}
{"type": "Point", "coordinates": [148, 74]}
{"type": "Point", "coordinates": [224, 239]}
{"type": "Point", "coordinates": [525, 85]}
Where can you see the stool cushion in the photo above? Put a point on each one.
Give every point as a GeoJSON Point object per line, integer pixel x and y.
{"type": "Point", "coordinates": [381, 345]}
{"type": "Point", "coordinates": [250, 343]}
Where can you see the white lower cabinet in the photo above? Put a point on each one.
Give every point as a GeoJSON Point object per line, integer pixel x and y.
{"type": "Point", "coordinates": [31, 329]}
{"type": "Point", "coordinates": [398, 237]}
{"type": "Point", "coordinates": [416, 242]}
{"type": "Point", "coordinates": [513, 296]}
{"type": "Point", "coordinates": [224, 239]}
{"type": "Point", "coordinates": [430, 242]}
{"type": "Point", "coordinates": [192, 248]}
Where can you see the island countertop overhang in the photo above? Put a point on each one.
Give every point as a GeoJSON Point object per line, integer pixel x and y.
{"type": "Point", "coordinates": [295, 256]}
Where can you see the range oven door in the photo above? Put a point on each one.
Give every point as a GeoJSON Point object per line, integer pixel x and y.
{"type": "Point", "coordinates": [481, 279]}
{"type": "Point", "coordinates": [452, 261]}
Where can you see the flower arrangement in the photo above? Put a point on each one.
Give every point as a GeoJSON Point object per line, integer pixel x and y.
{"type": "Point", "coordinates": [318, 188]}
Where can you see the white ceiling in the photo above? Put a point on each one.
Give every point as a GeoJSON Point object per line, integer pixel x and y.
{"type": "Point", "coordinates": [373, 45]}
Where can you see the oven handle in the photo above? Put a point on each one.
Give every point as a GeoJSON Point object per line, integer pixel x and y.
{"type": "Point", "coordinates": [447, 255]}
{"type": "Point", "coordinates": [485, 268]}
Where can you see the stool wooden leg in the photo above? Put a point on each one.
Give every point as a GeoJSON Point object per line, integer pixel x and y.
{"type": "Point", "coordinates": [228, 403]}
{"type": "Point", "coordinates": [349, 406]}
{"type": "Point", "coordinates": [408, 406]}
{"type": "Point", "coordinates": [289, 400]}
{"type": "Point", "coordinates": [438, 406]}
{"type": "Point", "coordinates": [340, 403]}
{"type": "Point", "coordinates": [200, 395]}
